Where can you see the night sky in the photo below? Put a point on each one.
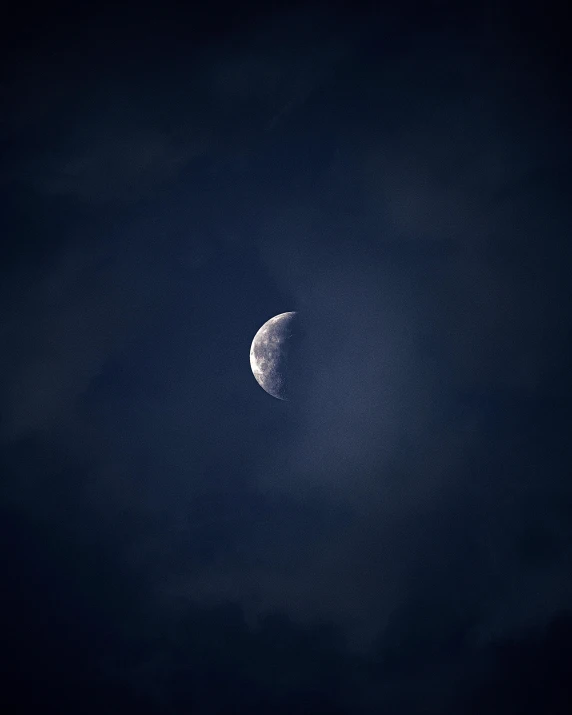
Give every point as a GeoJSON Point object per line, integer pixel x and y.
{"type": "Point", "coordinates": [396, 540]}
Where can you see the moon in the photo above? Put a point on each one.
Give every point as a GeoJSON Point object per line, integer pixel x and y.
{"type": "Point", "coordinates": [274, 355]}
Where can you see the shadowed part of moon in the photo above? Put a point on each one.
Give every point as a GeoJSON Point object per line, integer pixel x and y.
{"type": "Point", "coordinates": [275, 356]}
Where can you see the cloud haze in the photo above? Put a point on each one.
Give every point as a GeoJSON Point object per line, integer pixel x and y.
{"type": "Point", "coordinates": [405, 187]}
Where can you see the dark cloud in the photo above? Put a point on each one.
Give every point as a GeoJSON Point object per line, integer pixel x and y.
{"type": "Point", "coordinates": [399, 539]}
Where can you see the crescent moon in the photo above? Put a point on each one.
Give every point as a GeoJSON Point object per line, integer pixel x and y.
{"type": "Point", "coordinates": [269, 354]}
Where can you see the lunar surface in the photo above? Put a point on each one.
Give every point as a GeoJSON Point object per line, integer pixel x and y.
{"type": "Point", "coordinates": [275, 357]}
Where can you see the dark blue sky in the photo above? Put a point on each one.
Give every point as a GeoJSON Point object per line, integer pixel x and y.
{"type": "Point", "coordinates": [176, 540]}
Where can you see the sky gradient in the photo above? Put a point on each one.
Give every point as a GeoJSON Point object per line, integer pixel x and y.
{"type": "Point", "coordinates": [397, 540]}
